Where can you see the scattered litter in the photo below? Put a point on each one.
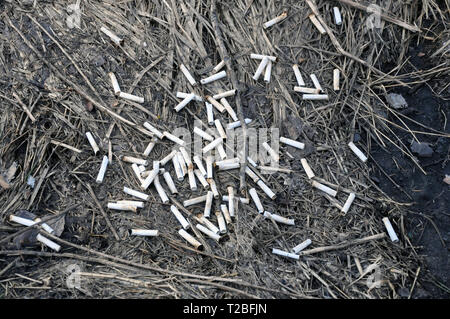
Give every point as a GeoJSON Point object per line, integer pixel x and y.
{"type": "Point", "coordinates": [31, 181]}
{"type": "Point", "coordinates": [397, 101]}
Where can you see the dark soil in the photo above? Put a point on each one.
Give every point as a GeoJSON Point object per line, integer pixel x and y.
{"type": "Point", "coordinates": [429, 194]}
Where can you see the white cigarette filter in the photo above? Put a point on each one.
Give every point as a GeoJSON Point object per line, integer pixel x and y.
{"type": "Point", "coordinates": [168, 158]}
{"type": "Point", "coordinates": [226, 213]}
{"type": "Point", "coordinates": [221, 223]}
{"type": "Point", "coordinates": [145, 232]}
{"type": "Point", "coordinates": [307, 168]}
{"type": "Point", "coordinates": [183, 95]}
{"type": "Point", "coordinates": [151, 177]}
{"type": "Point", "coordinates": [357, 152]}
{"type": "Point", "coordinates": [268, 72]}
{"type": "Point", "coordinates": [285, 254]}
{"type": "Point", "coordinates": [229, 166]}
{"type": "Point", "coordinates": [231, 202]}
{"type": "Point", "coordinates": [194, 201]}
{"type": "Point", "coordinates": [224, 94]}
{"type": "Point", "coordinates": [209, 166]}
{"type": "Point", "coordinates": [201, 178]}
{"type": "Point", "coordinates": [188, 75]}
{"type": "Point", "coordinates": [199, 163]}
{"type": "Point", "coordinates": [185, 101]}
{"type": "Point", "coordinates": [114, 38]}
{"type": "Point", "coordinates": [278, 19]}
{"type": "Point", "coordinates": [174, 139]}
{"type": "Point", "coordinates": [266, 189]}
{"type": "Point", "coordinates": [45, 226]}
{"type": "Point", "coordinates": [243, 200]}
{"type": "Point", "coordinates": [139, 174]}
{"type": "Point", "coordinates": [252, 174]}
{"type": "Point", "coordinates": [298, 75]}
{"type": "Point", "coordinates": [92, 142]}
{"type": "Point", "coordinates": [186, 157]}
{"type": "Point", "coordinates": [252, 162]}
{"type": "Point", "coordinates": [182, 163]}
{"type": "Point", "coordinates": [216, 104]}
{"type": "Point", "coordinates": [203, 134]}
{"type": "Point", "coordinates": [348, 202]}
{"type": "Point", "coordinates": [184, 223]}
{"type": "Point", "coordinates": [135, 193]}
{"type": "Point", "coordinates": [279, 219]}
{"type": "Point", "coordinates": [214, 190]}
{"type": "Point", "coordinates": [390, 230]}
{"type": "Point", "coordinates": [219, 66]}
{"type": "Point", "coordinates": [190, 239]}
{"type": "Point", "coordinates": [192, 182]}
{"type": "Point", "coordinates": [221, 150]}
{"type": "Point", "coordinates": [161, 192]}
{"type": "Point", "coordinates": [135, 160]}
{"type": "Point", "coordinates": [315, 97]}
{"type": "Point", "coordinates": [316, 82]}
{"type": "Point", "coordinates": [209, 225]}
{"type": "Point", "coordinates": [169, 181]}
{"type": "Point", "coordinates": [207, 232]}
{"type": "Point", "coordinates": [149, 147]}
{"type": "Point", "coordinates": [229, 109]}
{"type": "Point", "coordinates": [228, 161]}
{"type": "Point", "coordinates": [177, 168]}
{"type": "Point", "coordinates": [114, 83]}
{"type": "Point", "coordinates": [256, 200]}
{"type": "Point", "coordinates": [209, 113]}
{"type": "Point", "coordinates": [213, 77]}
{"type": "Point", "coordinates": [292, 143]}
{"type": "Point", "coordinates": [324, 188]}
{"type": "Point", "coordinates": [212, 145]}
{"type": "Point", "coordinates": [337, 16]}
{"type": "Point", "coordinates": [271, 151]}
{"type": "Point", "coordinates": [260, 68]}
{"type": "Point", "coordinates": [47, 242]}
{"type": "Point", "coordinates": [317, 24]}
{"type": "Point", "coordinates": [154, 130]}
{"type": "Point", "coordinates": [122, 206]}
{"type": "Point", "coordinates": [237, 124]}
{"type": "Point", "coordinates": [336, 75]}
{"type": "Point", "coordinates": [21, 220]}
{"type": "Point", "coordinates": [220, 129]}
{"type": "Point", "coordinates": [131, 97]}
{"type": "Point", "coordinates": [102, 171]}
{"type": "Point", "coordinates": [301, 246]}
{"type": "Point", "coordinates": [208, 204]}
{"type": "Point", "coordinates": [301, 89]}
{"type": "Point", "coordinates": [134, 203]}
{"type": "Point", "coordinates": [261, 57]}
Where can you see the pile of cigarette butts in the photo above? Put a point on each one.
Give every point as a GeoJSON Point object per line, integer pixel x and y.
{"type": "Point", "coordinates": [203, 168]}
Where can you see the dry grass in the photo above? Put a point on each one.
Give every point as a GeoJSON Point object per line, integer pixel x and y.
{"type": "Point", "coordinates": [59, 73]}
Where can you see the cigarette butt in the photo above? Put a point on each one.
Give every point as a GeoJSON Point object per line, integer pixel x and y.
{"type": "Point", "coordinates": [201, 178]}
{"type": "Point", "coordinates": [280, 219]}
{"type": "Point", "coordinates": [203, 134]}
{"type": "Point", "coordinates": [182, 163]}
{"type": "Point", "coordinates": [260, 68]}
{"type": "Point", "coordinates": [348, 202]}
{"type": "Point", "coordinates": [301, 89]}
{"type": "Point", "coordinates": [154, 130]}
{"type": "Point", "coordinates": [316, 82]}
{"type": "Point", "coordinates": [47, 242]}
{"type": "Point", "coordinates": [213, 77]}
{"type": "Point", "coordinates": [275, 20]}
{"type": "Point", "coordinates": [221, 150]}
{"type": "Point", "coordinates": [199, 163]}
{"type": "Point", "coordinates": [336, 75]}
{"type": "Point", "coordinates": [231, 203]}
{"type": "Point", "coordinates": [226, 213]}
{"type": "Point", "coordinates": [390, 230]}
{"type": "Point", "coordinates": [266, 189]}
{"type": "Point", "coordinates": [185, 101]}
{"type": "Point", "coordinates": [168, 158]}
{"type": "Point", "coordinates": [307, 168]}
{"type": "Point", "coordinates": [92, 142]}
{"type": "Point", "coordinates": [224, 94]}
{"type": "Point", "coordinates": [243, 200]}
{"type": "Point", "coordinates": [301, 246]}
{"type": "Point", "coordinates": [194, 201]}
{"type": "Point", "coordinates": [190, 239]}
{"type": "Point", "coordinates": [209, 166]}
{"type": "Point", "coordinates": [229, 109]}
{"type": "Point", "coordinates": [135, 193]}
{"type": "Point", "coordinates": [221, 223]}
{"type": "Point", "coordinates": [298, 75]}
{"type": "Point", "coordinates": [220, 129]}
{"type": "Point", "coordinates": [208, 204]}
{"type": "Point", "coordinates": [102, 171]}
{"type": "Point", "coordinates": [188, 75]}
{"type": "Point", "coordinates": [174, 139]}
{"type": "Point", "coordinates": [207, 232]}
{"type": "Point", "coordinates": [219, 66]}
{"type": "Point", "coordinates": [285, 254]}
{"type": "Point", "coordinates": [317, 24]}
{"type": "Point", "coordinates": [161, 192]}
{"type": "Point", "coordinates": [214, 190]}
{"type": "Point", "coordinates": [131, 97]}
{"type": "Point", "coordinates": [134, 203]}
{"type": "Point", "coordinates": [315, 97]}
{"type": "Point", "coordinates": [114, 83]}
{"type": "Point", "coordinates": [357, 152]}
{"type": "Point", "coordinates": [144, 232]}
{"type": "Point", "coordinates": [215, 103]}
{"type": "Point", "coordinates": [324, 188]}
{"type": "Point", "coordinates": [268, 72]}
{"type": "Point", "coordinates": [292, 143]}
{"type": "Point", "coordinates": [122, 206]}
{"type": "Point", "coordinates": [191, 176]}
{"type": "Point", "coordinates": [261, 57]}
{"type": "Point", "coordinates": [184, 223]}
{"type": "Point", "coordinates": [237, 124]}
{"type": "Point", "coordinates": [337, 16]}
{"type": "Point", "coordinates": [135, 160]}
{"type": "Point", "coordinates": [209, 113]}
{"type": "Point", "coordinates": [212, 145]}
{"type": "Point", "coordinates": [256, 200]}
{"type": "Point", "coordinates": [271, 151]}
{"type": "Point", "coordinates": [183, 95]}
{"type": "Point", "coordinates": [169, 181]}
